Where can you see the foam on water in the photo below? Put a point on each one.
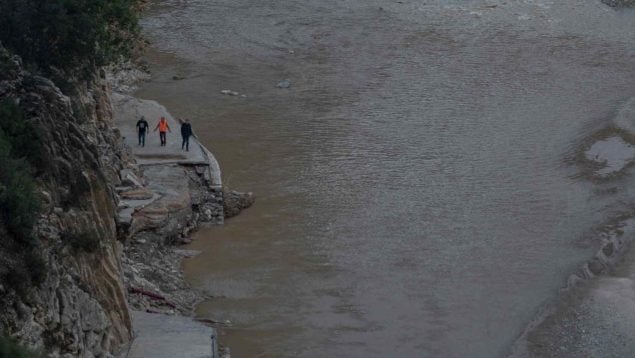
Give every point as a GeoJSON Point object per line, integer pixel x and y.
{"type": "Point", "coordinates": [613, 152]}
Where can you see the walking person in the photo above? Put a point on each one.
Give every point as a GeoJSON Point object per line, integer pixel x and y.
{"type": "Point", "coordinates": [163, 128]}
{"type": "Point", "coordinates": [142, 128]}
{"type": "Point", "coordinates": [186, 132]}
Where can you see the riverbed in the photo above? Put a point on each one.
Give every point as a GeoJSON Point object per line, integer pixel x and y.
{"type": "Point", "coordinates": [414, 162]}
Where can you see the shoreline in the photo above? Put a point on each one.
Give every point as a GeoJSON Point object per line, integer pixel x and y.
{"type": "Point", "coordinates": [616, 243]}
{"type": "Point", "coordinates": [157, 214]}
{"type": "Point", "coordinates": [605, 156]}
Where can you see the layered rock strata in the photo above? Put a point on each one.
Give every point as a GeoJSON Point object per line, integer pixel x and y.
{"type": "Point", "coordinates": [80, 308]}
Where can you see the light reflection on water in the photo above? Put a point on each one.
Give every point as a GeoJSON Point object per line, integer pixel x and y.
{"type": "Point", "coordinates": [411, 194]}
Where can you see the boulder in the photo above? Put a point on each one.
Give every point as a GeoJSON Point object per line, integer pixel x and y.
{"type": "Point", "coordinates": [234, 202]}
{"type": "Point", "coordinates": [128, 178]}
{"type": "Point", "coordinates": [284, 84]}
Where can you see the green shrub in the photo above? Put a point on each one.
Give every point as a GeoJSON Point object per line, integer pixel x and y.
{"type": "Point", "coordinates": [10, 349]}
{"type": "Point", "coordinates": [18, 279]}
{"type": "Point", "coordinates": [19, 205]}
{"type": "Point", "coordinates": [24, 138]}
{"type": "Point", "coordinates": [82, 241]}
{"type": "Point", "coordinates": [36, 266]}
{"type": "Point", "coordinates": [68, 35]}
{"type": "Point", "coordinates": [26, 270]}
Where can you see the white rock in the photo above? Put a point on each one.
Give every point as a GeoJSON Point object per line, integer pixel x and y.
{"type": "Point", "coordinates": [229, 92]}
{"type": "Point", "coordinates": [284, 84]}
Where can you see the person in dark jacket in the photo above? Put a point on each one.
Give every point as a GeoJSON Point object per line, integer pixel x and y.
{"type": "Point", "coordinates": [186, 132]}
{"type": "Point", "coordinates": [142, 128]}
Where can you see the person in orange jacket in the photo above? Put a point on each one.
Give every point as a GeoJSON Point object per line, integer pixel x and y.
{"type": "Point", "coordinates": [163, 128]}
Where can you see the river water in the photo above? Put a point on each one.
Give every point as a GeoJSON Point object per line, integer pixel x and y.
{"type": "Point", "coordinates": [416, 189]}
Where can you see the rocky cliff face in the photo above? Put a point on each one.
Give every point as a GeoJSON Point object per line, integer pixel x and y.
{"type": "Point", "coordinates": [80, 308]}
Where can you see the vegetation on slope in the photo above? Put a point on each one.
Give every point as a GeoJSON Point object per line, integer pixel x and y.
{"type": "Point", "coordinates": [57, 38]}
{"type": "Point", "coordinates": [68, 35]}
{"type": "Point", "coordinates": [65, 40]}
{"type": "Point", "coordinates": [10, 349]}
{"type": "Point", "coordinates": [18, 202]}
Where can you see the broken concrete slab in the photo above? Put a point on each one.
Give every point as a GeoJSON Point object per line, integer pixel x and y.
{"type": "Point", "coordinates": [129, 178]}
{"type": "Point", "coordinates": [137, 194]}
{"type": "Point", "coordinates": [164, 336]}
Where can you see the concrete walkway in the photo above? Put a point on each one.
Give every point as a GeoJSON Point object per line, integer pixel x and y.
{"type": "Point", "coordinates": [164, 192]}
{"type": "Point", "coordinates": [128, 110]}
{"type": "Point", "coordinates": [162, 336]}
{"type": "Point", "coordinates": [163, 200]}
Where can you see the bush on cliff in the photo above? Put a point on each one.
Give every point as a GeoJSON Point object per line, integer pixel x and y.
{"type": "Point", "coordinates": [68, 35]}
{"type": "Point", "coordinates": [19, 207]}
{"type": "Point", "coordinates": [87, 242]}
{"type": "Point", "coordinates": [19, 204]}
{"type": "Point", "coordinates": [24, 138]}
{"type": "Point", "coordinates": [10, 349]}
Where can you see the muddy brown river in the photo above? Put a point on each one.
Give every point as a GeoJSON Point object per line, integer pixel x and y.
{"type": "Point", "coordinates": [416, 189]}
